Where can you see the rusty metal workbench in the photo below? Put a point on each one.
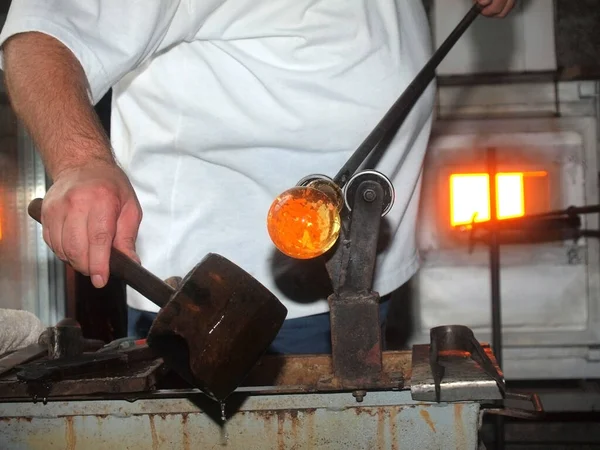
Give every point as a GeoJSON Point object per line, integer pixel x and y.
{"type": "Point", "coordinates": [384, 420]}
{"type": "Point", "coordinates": [287, 403]}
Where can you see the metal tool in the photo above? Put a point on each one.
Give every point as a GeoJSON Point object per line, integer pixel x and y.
{"type": "Point", "coordinates": [354, 306]}
{"type": "Point", "coordinates": [65, 340]}
{"type": "Point", "coordinates": [369, 195]}
{"type": "Point", "coordinates": [22, 356]}
{"type": "Point", "coordinates": [558, 225]}
{"type": "Point", "coordinates": [456, 367]}
{"type": "Point", "coordinates": [60, 341]}
{"type": "Point", "coordinates": [400, 110]}
{"type": "Point", "coordinates": [41, 377]}
{"type": "Point", "coordinates": [122, 344]}
{"type": "Point", "coordinates": [51, 370]}
{"type": "Point", "coordinates": [459, 339]}
{"type": "Point", "coordinates": [211, 330]}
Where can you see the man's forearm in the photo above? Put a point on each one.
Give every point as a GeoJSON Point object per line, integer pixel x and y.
{"type": "Point", "coordinates": [49, 93]}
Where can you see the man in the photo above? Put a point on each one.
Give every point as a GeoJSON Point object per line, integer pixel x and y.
{"type": "Point", "coordinates": [218, 106]}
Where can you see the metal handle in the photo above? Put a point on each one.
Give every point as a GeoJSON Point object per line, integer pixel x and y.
{"type": "Point", "coordinates": [402, 107]}
{"type": "Point", "coordinates": [123, 267]}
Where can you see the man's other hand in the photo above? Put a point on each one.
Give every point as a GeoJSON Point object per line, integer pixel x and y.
{"type": "Point", "coordinates": [88, 210]}
{"type": "Point", "coordinates": [496, 8]}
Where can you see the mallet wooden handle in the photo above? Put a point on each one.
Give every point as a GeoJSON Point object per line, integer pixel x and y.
{"type": "Point", "coordinates": [125, 268]}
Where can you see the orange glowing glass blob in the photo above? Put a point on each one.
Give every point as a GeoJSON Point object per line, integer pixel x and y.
{"type": "Point", "coordinates": [304, 222]}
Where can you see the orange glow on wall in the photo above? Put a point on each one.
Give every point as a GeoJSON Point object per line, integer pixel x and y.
{"type": "Point", "coordinates": [469, 196]}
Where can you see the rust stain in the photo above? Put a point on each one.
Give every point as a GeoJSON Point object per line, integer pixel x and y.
{"type": "Point", "coordinates": [99, 423]}
{"type": "Point", "coordinates": [266, 415]}
{"type": "Point", "coordinates": [316, 371]}
{"type": "Point", "coordinates": [366, 410]}
{"type": "Point", "coordinates": [394, 428]}
{"type": "Point", "coordinates": [459, 429]}
{"type": "Point", "coordinates": [280, 430]}
{"type": "Point", "coordinates": [185, 432]}
{"type": "Point", "coordinates": [310, 428]}
{"type": "Point", "coordinates": [70, 437]}
{"type": "Point", "coordinates": [373, 357]}
{"type": "Point", "coordinates": [153, 433]}
{"type": "Point", "coordinates": [295, 427]}
{"type": "Point", "coordinates": [380, 429]}
{"type": "Point", "coordinates": [455, 353]}
{"type": "Point", "coordinates": [18, 419]}
{"type": "Point", "coordinates": [427, 418]}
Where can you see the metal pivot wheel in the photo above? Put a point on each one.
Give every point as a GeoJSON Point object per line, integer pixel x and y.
{"type": "Point", "coordinates": [326, 185]}
{"type": "Point", "coordinates": [313, 177]}
{"type": "Point", "coordinates": [370, 175]}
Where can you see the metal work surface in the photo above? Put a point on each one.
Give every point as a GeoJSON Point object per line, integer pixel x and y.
{"type": "Point", "coordinates": [279, 374]}
{"type": "Point", "coordinates": [464, 380]}
{"type": "Point", "coordinates": [384, 420]}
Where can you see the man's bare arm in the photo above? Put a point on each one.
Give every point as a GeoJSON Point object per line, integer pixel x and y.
{"type": "Point", "coordinates": [91, 204]}
{"type": "Point", "coordinates": [48, 91]}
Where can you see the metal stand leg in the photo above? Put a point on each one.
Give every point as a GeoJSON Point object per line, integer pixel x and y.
{"type": "Point", "coordinates": [495, 283]}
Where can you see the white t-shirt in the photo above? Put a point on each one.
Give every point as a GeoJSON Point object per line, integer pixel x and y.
{"type": "Point", "coordinates": [220, 105]}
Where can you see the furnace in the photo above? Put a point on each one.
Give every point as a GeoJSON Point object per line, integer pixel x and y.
{"type": "Point", "coordinates": [549, 288]}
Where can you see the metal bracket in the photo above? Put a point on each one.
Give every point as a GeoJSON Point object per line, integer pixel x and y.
{"type": "Point", "coordinates": [354, 307]}
{"type": "Point", "coordinates": [456, 367]}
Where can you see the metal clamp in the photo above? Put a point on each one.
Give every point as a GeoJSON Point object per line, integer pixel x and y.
{"type": "Point", "coordinates": [354, 307]}
{"type": "Point", "coordinates": [459, 338]}
{"type": "Point", "coordinates": [518, 413]}
{"type": "Point", "coordinates": [456, 367]}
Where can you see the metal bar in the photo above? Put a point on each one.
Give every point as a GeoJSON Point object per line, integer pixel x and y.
{"type": "Point", "coordinates": [354, 309]}
{"type": "Point", "coordinates": [495, 259]}
{"type": "Point", "coordinates": [396, 115]}
{"type": "Point", "coordinates": [495, 281]}
{"type": "Point", "coordinates": [316, 372]}
{"type": "Point", "coordinates": [273, 373]}
{"type": "Point", "coordinates": [364, 234]}
{"type": "Point", "coordinates": [574, 73]}
{"type": "Point", "coordinates": [570, 212]}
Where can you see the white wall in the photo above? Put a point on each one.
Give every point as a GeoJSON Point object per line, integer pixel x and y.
{"type": "Point", "coordinates": [522, 42]}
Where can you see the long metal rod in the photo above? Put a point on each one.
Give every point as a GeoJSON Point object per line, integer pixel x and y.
{"type": "Point", "coordinates": [572, 210]}
{"type": "Point", "coordinates": [495, 260]}
{"type": "Point", "coordinates": [396, 115]}
{"type": "Point", "coordinates": [495, 281]}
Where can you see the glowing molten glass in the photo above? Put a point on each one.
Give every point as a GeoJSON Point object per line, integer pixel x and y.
{"type": "Point", "coordinates": [304, 222]}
